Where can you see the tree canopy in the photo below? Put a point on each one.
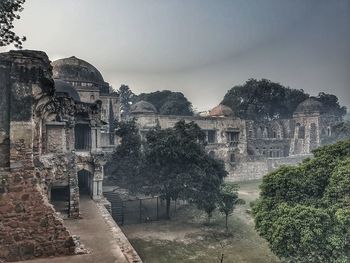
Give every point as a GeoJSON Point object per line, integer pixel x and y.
{"type": "Point", "coordinates": [267, 100]}
{"type": "Point", "coordinates": [228, 199]}
{"type": "Point", "coordinates": [331, 104]}
{"type": "Point", "coordinates": [177, 164]}
{"type": "Point", "coordinates": [303, 211]}
{"type": "Point", "coordinates": [168, 102]}
{"type": "Point", "coordinates": [9, 10]}
{"type": "Point", "coordinates": [124, 164]}
{"type": "Point", "coordinates": [126, 97]}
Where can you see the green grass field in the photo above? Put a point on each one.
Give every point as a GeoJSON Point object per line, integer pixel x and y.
{"type": "Point", "coordinates": [187, 237]}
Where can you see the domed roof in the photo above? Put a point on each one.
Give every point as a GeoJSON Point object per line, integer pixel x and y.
{"type": "Point", "coordinates": [143, 107]}
{"type": "Point", "coordinates": [310, 105]}
{"type": "Point", "coordinates": [75, 69]}
{"type": "Point", "coordinates": [66, 88]}
{"type": "Point", "coordinates": [221, 111]}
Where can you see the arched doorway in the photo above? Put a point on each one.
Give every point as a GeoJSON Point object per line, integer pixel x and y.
{"type": "Point", "coordinates": [84, 182]}
{"type": "Point", "coordinates": [59, 197]}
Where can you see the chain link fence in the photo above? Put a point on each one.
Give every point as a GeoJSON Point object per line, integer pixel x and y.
{"type": "Point", "coordinates": [139, 210]}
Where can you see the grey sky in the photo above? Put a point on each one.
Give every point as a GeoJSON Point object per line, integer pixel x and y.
{"type": "Point", "coordinates": [199, 47]}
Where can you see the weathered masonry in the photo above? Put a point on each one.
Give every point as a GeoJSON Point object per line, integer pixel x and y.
{"type": "Point", "coordinates": [29, 226]}
{"type": "Point", "coordinates": [251, 149]}
{"type": "Point", "coordinates": [52, 151]}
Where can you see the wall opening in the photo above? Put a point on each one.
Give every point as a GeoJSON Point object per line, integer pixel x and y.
{"type": "Point", "coordinates": [60, 198]}
{"type": "Point", "coordinates": [85, 182]}
{"type": "Point", "coordinates": [82, 137]}
{"type": "Point", "coordinates": [232, 158]}
{"type": "Point", "coordinates": [232, 138]}
{"type": "Point", "coordinates": [301, 132]}
{"type": "Point", "coordinates": [211, 136]}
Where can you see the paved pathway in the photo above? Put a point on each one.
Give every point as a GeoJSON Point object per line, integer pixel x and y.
{"type": "Point", "coordinates": [94, 233]}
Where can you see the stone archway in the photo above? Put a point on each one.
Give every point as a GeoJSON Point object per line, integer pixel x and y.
{"type": "Point", "coordinates": [85, 182]}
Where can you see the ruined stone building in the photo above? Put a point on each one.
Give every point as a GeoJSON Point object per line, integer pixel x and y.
{"type": "Point", "coordinates": [251, 149]}
{"type": "Point", "coordinates": [90, 87]}
{"type": "Point", "coordinates": [56, 127]}
{"type": "Point", "coordinates": [50, 151]}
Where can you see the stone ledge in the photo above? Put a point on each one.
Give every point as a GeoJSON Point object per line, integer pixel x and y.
{"type": "Point", "coordinates": [124, 244]}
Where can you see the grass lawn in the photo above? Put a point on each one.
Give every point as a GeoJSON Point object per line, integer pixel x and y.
{"type": "Point", "coordinates": [187, 237]}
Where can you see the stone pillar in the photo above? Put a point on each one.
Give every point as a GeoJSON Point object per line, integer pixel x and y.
{"type": "Point", "coordinates": [73, 187]}
{"type": "Point", "coordinates": [97, 182]}
{"type": "Point", "coordinates": [98, 138]}
{"type": "Point", "coordinates": [93, 139]}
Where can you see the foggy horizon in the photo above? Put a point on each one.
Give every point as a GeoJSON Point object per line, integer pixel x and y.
{"type": "Point", "coordinates": [200, 48]}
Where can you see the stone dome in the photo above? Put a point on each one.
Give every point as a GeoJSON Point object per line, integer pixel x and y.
{"type": "Point", "coordinates": [143, 107]}
{"type": "Point", "coordinates": [66, 88]}
{"type": "Point", "coordinates": [309, 106]}
{"type": "Point", "coordinates": [221, 111]}
{"type": "Point", "coordinates": [75, 69]}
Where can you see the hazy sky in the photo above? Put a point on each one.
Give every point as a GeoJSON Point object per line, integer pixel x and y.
{"type": "Point", "coordinates": [199, 47]}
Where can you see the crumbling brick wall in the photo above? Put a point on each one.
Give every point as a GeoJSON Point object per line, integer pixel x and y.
{"type": "Point", "coordinates": [29, 226]}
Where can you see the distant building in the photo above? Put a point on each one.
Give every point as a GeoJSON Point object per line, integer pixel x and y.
{"type": "Point", "coordinates": [251, 149]}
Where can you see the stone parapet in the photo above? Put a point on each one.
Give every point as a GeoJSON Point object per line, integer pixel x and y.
{"type": "Point", "coordinates": [122, 241]}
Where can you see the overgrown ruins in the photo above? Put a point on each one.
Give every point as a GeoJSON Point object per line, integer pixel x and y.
{"type": "Point", "coordinates": [56, 127]}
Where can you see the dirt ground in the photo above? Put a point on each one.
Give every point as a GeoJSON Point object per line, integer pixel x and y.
{"type": "Point", "coordinates": [188, 238]}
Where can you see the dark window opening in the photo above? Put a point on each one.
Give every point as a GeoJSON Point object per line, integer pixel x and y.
{"type": "Point", "coordinates": [301, 134]}
{"type": "Point", "coordinates": [211, 136]}
{"type": "Point", "coordinates": [233, 138]}
{"type": "Point", "coordinates": [232, 158]}
{"type": "Point", "coordinates": [59, 197]}
{"type": "Point", "coordinates": [212, 154]}
{"type": "Point", "coordinates": [84, 182]}
{"type": "Point", "coordinates": [250, 134]}
{"type": "Point", "coordinates": [82, 137]}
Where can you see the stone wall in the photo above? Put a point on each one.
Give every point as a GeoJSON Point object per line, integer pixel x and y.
{"type": "Point", "coordinates": [29, 226]}
{"type": "Point", "coordinates": [257, 168]}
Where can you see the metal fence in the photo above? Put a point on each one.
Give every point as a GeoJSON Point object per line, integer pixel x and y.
{"type": "Point", "coordinates": [140, 210]}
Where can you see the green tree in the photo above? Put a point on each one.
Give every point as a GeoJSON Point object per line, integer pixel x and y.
{"type": "Point", "coordinates": [263, 100]}
{"type": "Point", "coordinates": [331, 104]}
{"type": "Point", "coordinates": [168, 102]}
{"type": "Point", "coordinates": [228, 199]}
{"type": "Point", "coordinates": [177, 165]}
{"type": "Point", "coordinates": [9, 10]}
{"type": "Point", "coordinates": [126, 97]}
{"type": "Point", "coordinates": [303, 211]}
{"type": "Point", "coordinates": [123, 167]}
{"type": "Point", "coordinates": [206, 188]}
